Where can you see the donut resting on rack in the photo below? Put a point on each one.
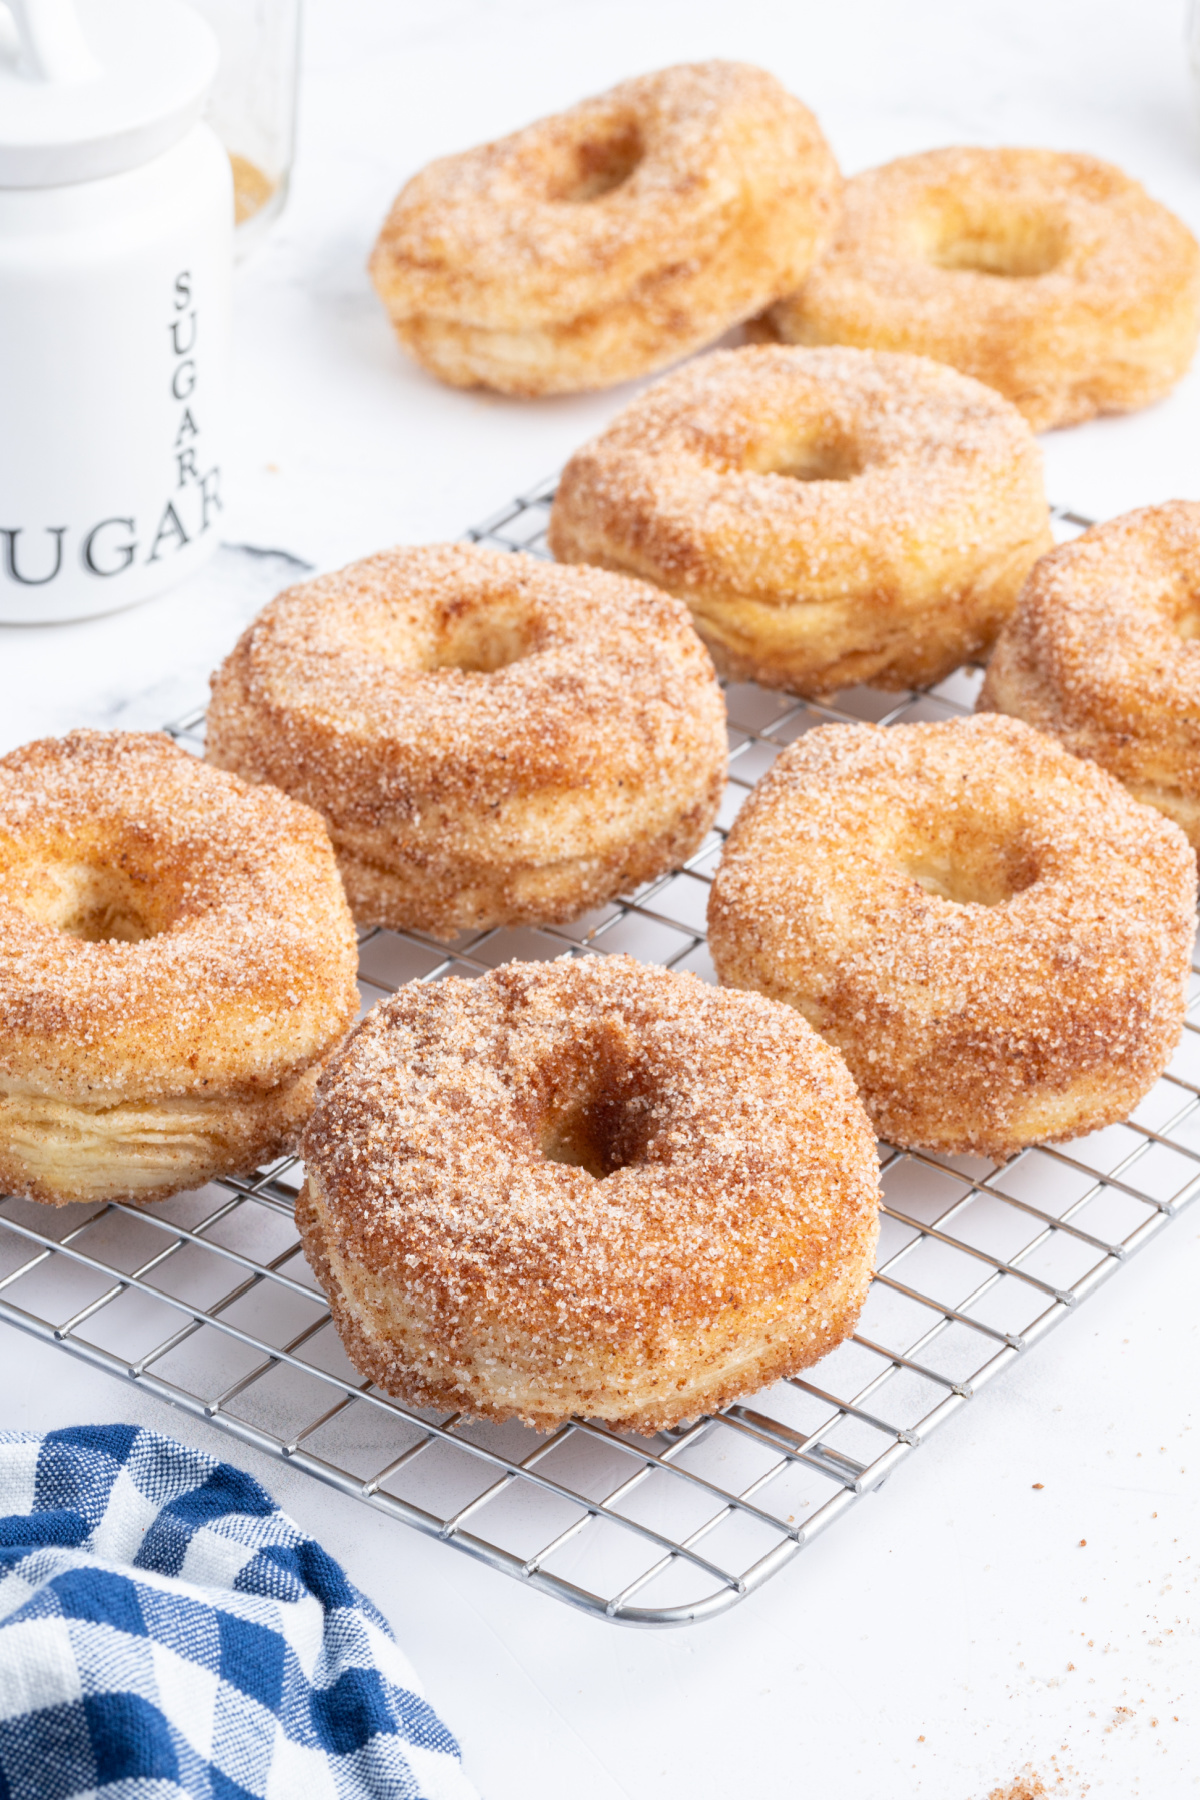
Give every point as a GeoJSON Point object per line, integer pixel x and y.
{"type": "Point", "coordinates": [1102, 653]}
{"type": "Point", "coordinates": [830, 516]}
{"type": "Point", "coordinates": [992, 932]}
{"type": "Point", "coordinates": [176, 962]}
{"type": "Point", "coordinates": [492, 740]}
{"type": "Point", "coordinates": [587, 1187]}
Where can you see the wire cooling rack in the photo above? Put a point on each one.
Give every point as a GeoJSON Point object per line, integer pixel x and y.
{"type": "Point", "coordinates": [207, 1301]}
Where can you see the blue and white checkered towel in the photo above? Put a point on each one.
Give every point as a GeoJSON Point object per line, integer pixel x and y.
{"type": "Point", "coordinates": [166, 1633]}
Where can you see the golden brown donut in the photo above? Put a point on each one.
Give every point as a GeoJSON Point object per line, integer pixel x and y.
{"type": "Point", "coordinates": [994, 935]}
{"type": "Point", "coordinates": [1053, 278]}
{"type": "Point", "coordinates": [830, 516]}
{"type": "Point", "coordinates": [176, 962]}
{"type": "Point", "coordinates": [491, 740]}
{"type": "Point", "coordinates": [1102, 653]}
{"type": "Point", "coordinates": [611, 239]}
{"type": "Point", "coordinates": [587, 1187]}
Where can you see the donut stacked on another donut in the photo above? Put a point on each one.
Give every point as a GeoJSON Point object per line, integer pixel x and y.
{"type": "Point", "coordinates": [992, 932]}
{"type": "Point", "coordinates": [618, 236]}
{"type": "Point", "coordinates": [176, 962]}
{"type": "Point", "coordinates": [830, 516]}
{"type": "Point", "coordinates": [1102, 653]}
{"type": "Point", "coordinates": [492, 740]}
{"type": "Point", "coordinates": [587, 1187]}
{"type": "Point", "coordinates": [1052, 277]}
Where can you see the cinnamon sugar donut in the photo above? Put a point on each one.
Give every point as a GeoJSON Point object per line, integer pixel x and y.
{"type": "Point", "coordinates": [611, 239]}
{"type": "Point", "coordinates": [994, 935]}
{"type": "Point", "coordinates": [1053, 278]}
{"type": "Point", "coordinates": [587, 1187]}
{"type": "Point", "coordinates": [492, 740]}
{"type": "Point", "coordinates": [830, 516]}
{"type": "Point", "coordinates": [176, 962]}
{"type": "Point", "coordinates": [1102, 653]}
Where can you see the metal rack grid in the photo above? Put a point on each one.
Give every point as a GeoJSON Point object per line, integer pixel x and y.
{"type": "Point", "coordinates": [207, 1301]}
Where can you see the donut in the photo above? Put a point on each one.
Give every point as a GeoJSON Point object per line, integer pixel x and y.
{"type": "Point", "coordinates": [1101, 653]}
{"type": "Point", "coordinates": [491, 740]}
{"type": "Point", "coordinates": [587, 1187]}
{"type": "Point", "coordinates": [176, 963]}
{"type": "Point", "coordinates": [1053, 278]}
{"type": "Point", "coordinates": [611, 239]}
{"type": "Point", "coordinates": [830, 516]}
{"type": "Point", "coordinates": [993, 934]}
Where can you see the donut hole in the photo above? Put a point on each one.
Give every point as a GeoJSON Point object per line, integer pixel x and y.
{"type": "Point", "coordinates": [475, 638]}
{"type": "Point", "coordinates": [1015, 246]}
{"type": "Point", "coordinates": [97, 905]}
{"type": "Point", "coordinates": [599, 1114]}
{"type": "Point", "coordinates": [586, 1135]}
{"type": "Point", "coordinates": [601, 165]}
{"type": "Point", "coordinates": [1187, 618]}
{"type": "Point", "coordinates": [479, 643]}
{"type": "Point", "coordinates": [987, 877]}
{"type": "Point", "coordinates": [826, 457]}
{"type": "Point", "coordinates": [816, 462]}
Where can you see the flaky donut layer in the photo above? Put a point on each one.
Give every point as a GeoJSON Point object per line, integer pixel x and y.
{"type": "Point", "coordinates": [63, 1150]}
{"type": "Point", "coordinates": [587, 1187]}
{"type": "Point", "coordinates": [492, 740]}
{"type": "Point", "coordinates": [176, 961]}
{"type": "Point", "coordinates": [830, 516]}
{"type": "Point", "coordinates": [610, 239]}
{"type": "Point", "coordinates": [1052, 277]}
{"type": "Point", "coordinates": [994, 935]}
{"type": "Point", "coordinates": [1102, 653]}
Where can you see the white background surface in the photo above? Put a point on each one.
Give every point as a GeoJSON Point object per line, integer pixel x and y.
{"type": "Point", "coordinates": [953, 1629]}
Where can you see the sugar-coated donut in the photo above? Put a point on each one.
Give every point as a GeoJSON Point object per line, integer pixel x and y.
{"type": "Point", "coordinates": [830, 516]}
{"type": "Point", "coordinates": [1052, 277]}
{"type": "Point", "coordinates": [1102, 653]}
{"type": "Point", "coordinates": [176, 962]}
{"type": "Point", "coordinates": [587, 1187]}
{"type": "Point", "coordinates": [994, 935]}
{"type": "Point", "coordinates": [492, 740]}
{"type": "Point", "coordinates": [609, 240]}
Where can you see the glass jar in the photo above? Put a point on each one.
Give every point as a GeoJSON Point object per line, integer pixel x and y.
{"type": "Point", "coordinates": [115, 263]}
{"type": "Point", "coordinates": [252, 107]}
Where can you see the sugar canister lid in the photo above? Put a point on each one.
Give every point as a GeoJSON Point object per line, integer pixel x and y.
{"type": "Point", "coordinates": [91, 87]}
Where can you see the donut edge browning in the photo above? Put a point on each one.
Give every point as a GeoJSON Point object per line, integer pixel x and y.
{"type": "Point", "coordinates": [896, 663]}
{"type": "Point", "coordinates": [406, 899]}
{"type": "Point", "coordinates": [742, 1353]}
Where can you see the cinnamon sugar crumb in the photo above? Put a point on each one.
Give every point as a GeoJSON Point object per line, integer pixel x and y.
{"type": "Point", "coordinates": [1028, 1785]}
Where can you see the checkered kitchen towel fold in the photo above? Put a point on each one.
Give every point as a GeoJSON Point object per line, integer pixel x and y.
{"type": "Point", "coordinates": [166, 1632]}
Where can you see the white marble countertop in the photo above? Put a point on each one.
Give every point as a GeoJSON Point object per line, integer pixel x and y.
{"type": "Point", "coordinates": [954, 1628]}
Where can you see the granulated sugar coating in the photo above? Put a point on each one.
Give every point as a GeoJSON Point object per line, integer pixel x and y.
{"type": "Point", "coordinates": [1102, 652]}
{"type": "Point", "coordinates": [176, 959]}
{"type": "Point", "coordinates": [591, 1187]}
{"type": "Point", "coordinates": [830, 516]}
{"type": "Point", "coordinates": [1054, 278]}
{"type": "Point", "coordinates": [491, 740]}
{"type": "Point", "coordinates": [611, 239]}
{"type": "Point", "coordinates": [1028, 1785]}
{"type": "Point", "coordinates": [991, 931]}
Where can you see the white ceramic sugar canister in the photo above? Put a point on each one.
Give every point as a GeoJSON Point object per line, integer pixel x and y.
{"type": "Point", "coordinates": [116, 246]}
